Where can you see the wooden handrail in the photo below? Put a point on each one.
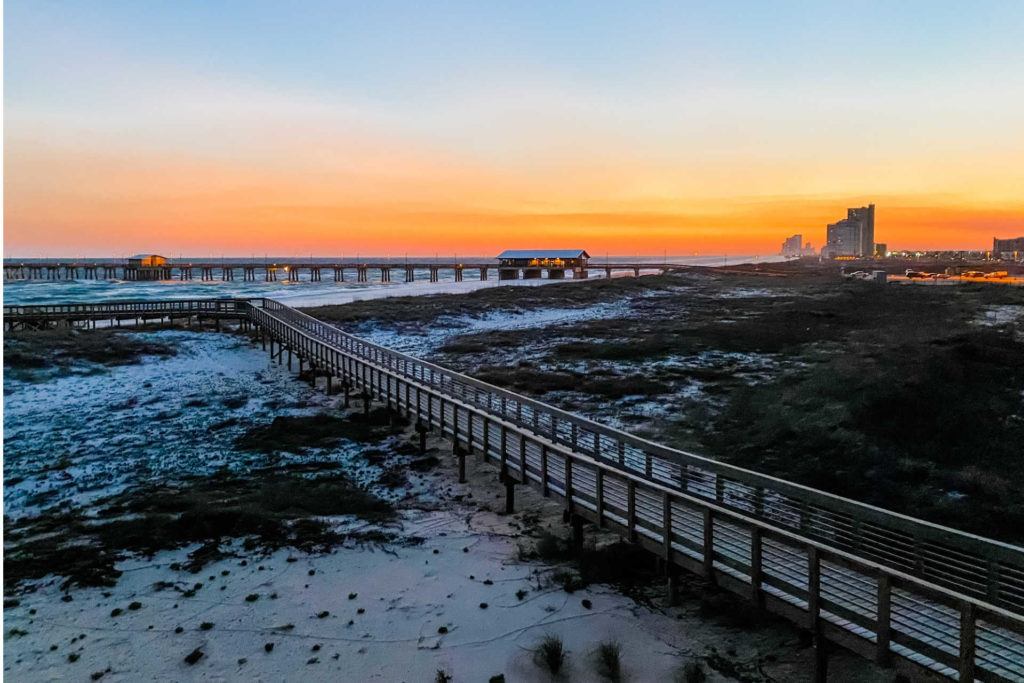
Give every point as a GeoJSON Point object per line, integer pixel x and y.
{"type": "Point", "coordinates": [912, 638]}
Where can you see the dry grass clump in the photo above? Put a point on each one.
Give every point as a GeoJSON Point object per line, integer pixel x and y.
{"type": "Point", "coordinates": [550, 654]}
{"type": "Point", "coordinates": [609, 660]}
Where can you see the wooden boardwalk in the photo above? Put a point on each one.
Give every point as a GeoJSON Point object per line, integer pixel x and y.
{"type": "Point", "coordinates": [899, 590]}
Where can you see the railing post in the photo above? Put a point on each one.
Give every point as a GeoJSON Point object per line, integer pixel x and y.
{"type": "Point", "coordinates": [814, 614]}
{"type": "Point", "coordinates": [992, 583]}
{"type": "Point", "coordinates": [522, 458]}
{"type": "Point", "coordinates": [968, 617]}
{"type": "Point", "coordinates": [631, 509]}
{"type": "Point", "coordinates": [666, 526]}
{"type": "Point", "coordinates": [709, 545]}
{"type": "Point", "coordinates": [813, 587]}
{"type": "Point", "coordinates": [599, 497]}
{"type": "Point", "coordinates": [757, 566]}
{"type": "Point", "coordinates": [567, 484]}
{"type": "Point", "coordinates": [544, 469]}
{"type": "Point", "coordinates": [883, 621]}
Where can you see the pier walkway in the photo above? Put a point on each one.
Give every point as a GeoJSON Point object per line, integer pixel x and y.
{"type": "Point", "coordinates": [317, 271]}
{"type": "Point", "coordinates": [901, 591]}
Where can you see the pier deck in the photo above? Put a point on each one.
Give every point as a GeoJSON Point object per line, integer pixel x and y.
{"type": "Point", "coordinates": [292, 271]}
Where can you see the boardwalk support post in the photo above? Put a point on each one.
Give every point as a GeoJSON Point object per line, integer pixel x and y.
{"type": "Point", "coordinates": [756, 567]}
{"type": "Point", "coordinates": [422, 431]}
{"type": "Point", "coordinates": [510, 493]}
{"type": "Point", "coordinates": [968, 628]}
{"type": "Point", "coordinates": [814, 615]}
{"type": "Point", "coordinates": [461, 455]}
{"type": "Point", "coordinates": [672, 570]}
{"type": "Point", "coordinates": [577, 532]}
{"type": "Point", "coordinates": [883, 629]}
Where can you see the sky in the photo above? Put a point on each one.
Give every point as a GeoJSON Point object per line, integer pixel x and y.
{"type": "Point", "coordinates": [388, 128]}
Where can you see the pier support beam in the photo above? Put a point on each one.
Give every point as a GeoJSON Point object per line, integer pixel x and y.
{"type": "Point", "coordinates": [577, 532]}
{"type": "Point", "coordinates": [672, 584]}
{"type": "Point", "coordinates": [421, 430]}
{"type": "Point", "coordinates": [510, 492]}
{"type": "Point", "coordinates": [461, 455]}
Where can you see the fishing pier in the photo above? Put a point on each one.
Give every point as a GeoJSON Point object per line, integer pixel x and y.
{"type": "Point", "coordinates": [312, 271]}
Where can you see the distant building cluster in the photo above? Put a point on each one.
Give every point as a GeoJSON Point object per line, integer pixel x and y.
{"type": "Point", "coordinates": [794, 247]}
{"type": "Point", "coordinates": [1012, 249]}
{"type": "Point", "coordinates": [853, 236]}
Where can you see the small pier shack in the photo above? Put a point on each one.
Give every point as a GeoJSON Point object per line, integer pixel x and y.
{"type": "Point", "coordinates": [147, 267]}
{"type": "Point", "coordinates": [532, 263]}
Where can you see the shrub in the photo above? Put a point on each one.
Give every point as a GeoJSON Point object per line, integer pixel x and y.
{"type": "Point", "coordinates": [551, 653]}
{"type": "Point", "coordinates": [609, 664]}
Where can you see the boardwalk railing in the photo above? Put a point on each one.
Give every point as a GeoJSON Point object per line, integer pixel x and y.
{"type": "Point", "coordinates": [891, 587]}
{"type": "Point", "coordinates": [16, 317]}
{"type": "Point", "coordinates": [133, 309]}
{"type": "Point", "coordinates": [880, 583]}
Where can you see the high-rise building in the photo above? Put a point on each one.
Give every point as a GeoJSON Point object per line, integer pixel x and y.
{"type": "Point", "coordinates": [1014, 245]}
{"type": "Point", "coordinates": [853, 236]}
{"type": "Point", "coordinates": [843, 239]}
{"type": "Point", "coordinates": [793, 245]}
{"type": "Point", "coordinates": [866, 216]}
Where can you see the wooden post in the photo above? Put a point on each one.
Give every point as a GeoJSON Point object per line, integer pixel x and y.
{"type": "Point", "coordinates": [968, 627]}
{"type": "Point", "coordinates": [813, 588]}
{"type": "Point", "coordinates": [577, 532]}
{"type": "Point", "coordinates": [522, 458]}
{"type": "Point", "coordinates": [756, 567]}
{"type": "Point", "coordinates": [544, 469]}
{"type": "Point", "coordinates": [631, 509]}
{"type": "Point", "coordinates": [461, 455]}
{"type": "Point", "coordinates": [567, 484]}
{"type": "Point", "coordinates": [503, 447]}
{"type": "Point", "coordinates": [709, 545]}
{"type": "Point", "coordinates": [883, 621]}
{"type": "Point", "coordinates": [510, 495]}
{"type": "Point", "coordinates": [599, 497]}
{"type": "Point", "coordinates": [666, 527]}
{"type": "Point", "coordinates": [814, 615]}
{"type": "Point", "coordinates": [673, 584]}
{"type": "Point", "coordinates": [486, 450]}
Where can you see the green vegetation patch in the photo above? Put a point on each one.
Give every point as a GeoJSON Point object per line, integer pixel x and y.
{"type": "Point", "coordinates": [297, 433]}
{"type": "Point", "coordinates": [50, 349]}
{"type": "Point", "coordinates": [269, 509]}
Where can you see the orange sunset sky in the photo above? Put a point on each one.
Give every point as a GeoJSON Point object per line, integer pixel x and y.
{"type": "Point", "coordinates": [328, 128]}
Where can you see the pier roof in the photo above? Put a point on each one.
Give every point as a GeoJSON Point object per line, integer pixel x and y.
{"type": "Point", "coordinates": [544, 253]}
